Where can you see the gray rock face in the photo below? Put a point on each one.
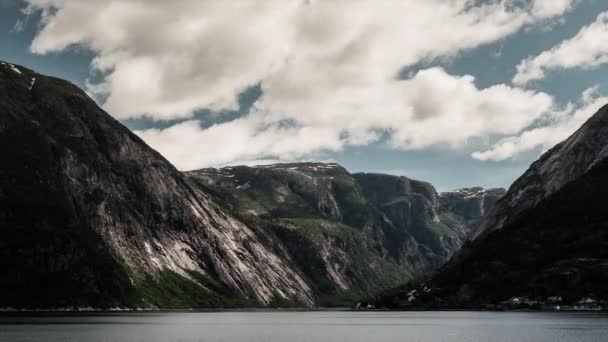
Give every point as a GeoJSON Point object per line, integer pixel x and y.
{"type": "Point", "coordinates": [413, 207]}
{"type": "Point", "coordinates": [561, 165]}
{"type": "Point", "coordinates": [546, 239]}
{"type": "Point", "coordinates": [319, 213]}
{"type": "Point", "coordinates": [91, 216]}
{"type": "Point", "coordinates": [364, 232]}
{"type": "Point", "coordinates": [472, 204]}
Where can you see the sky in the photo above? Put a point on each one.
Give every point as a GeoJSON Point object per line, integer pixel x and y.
{"type": "Point", "coordinates": [459, 93]}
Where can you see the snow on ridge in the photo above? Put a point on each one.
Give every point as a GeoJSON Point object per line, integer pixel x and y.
{"type": "Point", "coordinates": [468, 192]}
{"type": "Point", "coordinates": [14, 68]}
{"type": "Point", "coordinates": [244, 186]}
{"type": "Point", "coordinates": [294, 166]}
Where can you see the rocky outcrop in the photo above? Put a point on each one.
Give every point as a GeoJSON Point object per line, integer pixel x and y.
{"type": "Point", "coordinates": [92, 216]}
{"type": "Point", "coordinates": [561, 165]}
{"type": "Point", "coordinates": [414, 207]}
{"type": "Point", "coordinates": [349, 234]}
{"type": "Point", "coordinates": [551, 249]}
{"type": "Point", "coordinates": [472, 204]}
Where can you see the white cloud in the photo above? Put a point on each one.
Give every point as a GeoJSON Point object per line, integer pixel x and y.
{"type": "Point", "coordinates": [167, 59]}
{"type": "Point", "coordinates": [562, 124]}
{"type": "Point", "coordinates": [328, 70]}
{"type": "Point", "coordinates": [585, 50]}
{"type": "Point", "coordinates": [248, 140]}
{"type": "Point", "coordinates": [429, 109]}
{"type": "Point", "coordinates": [549, 8]}
{"type": "Point", "coordinates": [449, 109]}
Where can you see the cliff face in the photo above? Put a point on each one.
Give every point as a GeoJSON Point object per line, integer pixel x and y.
{"type": "Point", "coordinates": [472, 204]}
{"type": "Point", "coordinates": [549, 243]}
{"type": "Point", "coordinates": [415, 207]}
{"type": "Point", "coordinates": [349, 234]}
{"type": "Point", "coordinates": [91, 216]}
{"type": "Point", "coordinates": [563, 164]}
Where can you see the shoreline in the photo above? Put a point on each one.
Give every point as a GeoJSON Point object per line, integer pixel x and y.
{"type": "Point", "coordinates": [4, 311]}
{"type": "Point", "coordinates": [91, 311]}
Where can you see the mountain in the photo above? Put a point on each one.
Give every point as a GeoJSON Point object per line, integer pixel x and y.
{"type": "Point", "coordinates": [90, 216]}
{"type": "Point", "coordinates": [566, 162]}
{"type": "Point", "coordinates": [349, 234]}
{"type": "Point", "coordinates": [471, 204]}
{"type": "Point", "coordinates": [545, 241]}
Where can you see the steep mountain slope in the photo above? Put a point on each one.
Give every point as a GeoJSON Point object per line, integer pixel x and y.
{"type": "Point", "coordinates": [471, 204]}
{"type": "Point", "coordinates": [91, 216]}
{"type": "Point", "coordinates": [556, 250]}
{"type": "Point", "coordinates": [349, 234]}
{"type": "Point", "coordinates": [564, 163]}
{"type": "Point", "coordinates": [439, 223]}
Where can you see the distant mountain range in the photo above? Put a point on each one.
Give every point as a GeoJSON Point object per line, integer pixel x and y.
{"type": "Point", "coordinates": [349, 234]}
{"type": "Point", "coordinates": [92, 217]}
{"type": "Point", "coordinates": [544, 244]}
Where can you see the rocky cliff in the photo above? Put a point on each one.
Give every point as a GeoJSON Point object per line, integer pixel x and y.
{"type": "Point", "coordinates": [544, 244]}
{"type": "Point", "coordinates": [92, 216]}
{"type": "Point", "coordinates": [563, 164]}
{"type": "Point", "coordinates": [472, 204]}
{"type": "Point", "coordinates": [349, 234]}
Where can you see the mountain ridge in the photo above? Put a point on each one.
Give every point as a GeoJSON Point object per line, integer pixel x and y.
{"type": "Point", "coordinates": [94, 183]}
{"type": "Point", "coordinates": [563, 163]}
{"type": "Point", "coordinates": [91, 216]}
{"type": "Point", "coordinates": [551, 253]}
{"type": "Point", "coordinates": [399, 219]}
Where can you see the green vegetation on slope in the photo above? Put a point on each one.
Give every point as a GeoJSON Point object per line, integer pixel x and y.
{"type": "Point", "coordinates": [331, 253]}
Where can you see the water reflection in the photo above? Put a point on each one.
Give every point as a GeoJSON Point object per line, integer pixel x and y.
{"type": "Point", "coordinates": [306, 327]}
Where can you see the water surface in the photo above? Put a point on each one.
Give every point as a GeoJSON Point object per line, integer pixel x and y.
{"type": "Point", "coordinates": [307, 327]}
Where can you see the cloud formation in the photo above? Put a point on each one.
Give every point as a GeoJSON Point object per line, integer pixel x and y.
{"type": "Point", "coordinates": [550, 8]}
{"type": "Point", "coordinates": [431, 108]}
{"type": "Point", "coordinates": [559, 126]}
{"type": "Point", "coordinates": [166, 59]}
{"type": "Point", "coordinates": [328, 71]}
{"type": "Point", "coordinates": [585, 50]}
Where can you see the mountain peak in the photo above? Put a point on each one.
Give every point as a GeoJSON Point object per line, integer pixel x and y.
{"type": "Point", "coordinates": [565, 162]}
{"type": "Point", "coordinates": [114, 221]}
{"type": "Point", "coordinates": [545, 239]}
{"type": "Point", "coordinates": [473, 192]}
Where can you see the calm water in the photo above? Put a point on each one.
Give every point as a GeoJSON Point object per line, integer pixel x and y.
{"type": "Point", "coordinates": [309, 327]}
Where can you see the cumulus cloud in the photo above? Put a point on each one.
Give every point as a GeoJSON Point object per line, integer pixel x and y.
{"type": "Point", "coordinates": [166, 59]}
{"type": "Point", "coordinates": [585, 50]}
{"type": "Point", "coordinates": [248, 140]}
{"type": "Point", "coordinates": [560, 126]}
{"type": "Point", "coordinates": [549, 8]}
{"type": "Point", "coordinates": [328, 71]}
{"type": "Point", "coordinates": [431, 108]}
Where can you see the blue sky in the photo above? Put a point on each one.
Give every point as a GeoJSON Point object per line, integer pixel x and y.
{"type": "Point", "coordinates": [445, 165]}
